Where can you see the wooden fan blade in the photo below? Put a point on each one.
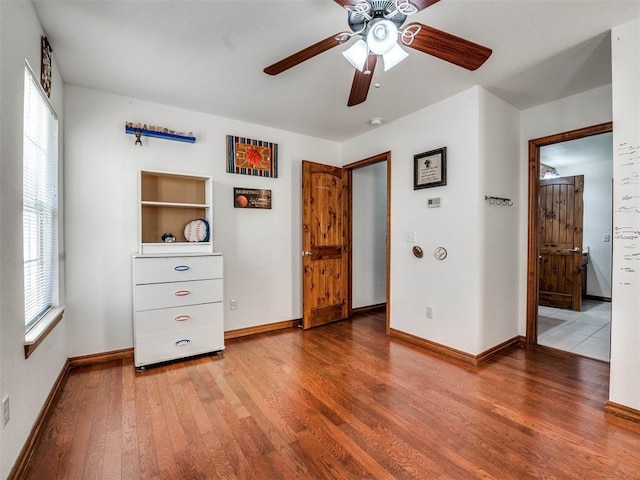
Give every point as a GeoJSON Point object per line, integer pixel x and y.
{"type": "Point", "coordinates": [422, 4]}
{"type": "Point", "coordinates": [448, 47]}
{"type": "Point", "coordinates": [361, 82]}
{"type": "Point", "coordinates": [302, 55]}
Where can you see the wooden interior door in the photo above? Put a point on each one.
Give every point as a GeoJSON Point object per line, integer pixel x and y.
{"type": "Point", "coordinates": [560, 251]}
{"type": "Point", "coordinates": [324, 244]}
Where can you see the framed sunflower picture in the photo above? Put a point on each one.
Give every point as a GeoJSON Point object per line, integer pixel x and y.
{"type": "Point", "coordinates": [246, 156]}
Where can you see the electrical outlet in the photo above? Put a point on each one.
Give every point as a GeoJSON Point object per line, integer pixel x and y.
{"type": "Point", "coordinates": [430, 312]}
{"type": "Point", "coordinates": [233, 304]}
{"type": "Point", "coordinates": [606, 237]}
{"type": "Point", "coordinates": [6, 411]}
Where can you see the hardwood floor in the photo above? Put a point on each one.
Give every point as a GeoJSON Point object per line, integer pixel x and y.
{"type": "Point", "coordinates": [342, 401]}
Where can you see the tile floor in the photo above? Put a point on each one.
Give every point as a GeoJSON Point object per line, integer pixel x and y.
{"type": "Point", "coordinates": [586, 332]}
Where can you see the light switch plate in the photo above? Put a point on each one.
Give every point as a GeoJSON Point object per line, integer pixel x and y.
{"type": "Point", "coordinates": [410, 236]}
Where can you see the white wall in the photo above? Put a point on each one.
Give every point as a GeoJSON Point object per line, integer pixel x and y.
{"type": "Point", "coordinates": [585, 109]}
{"type": "Point", "coordinates": [261, 247]}
{"type": "Point", "coordinates": [369, 223]}
{"type": "Point", "coordinates": [452, 286]}
{"type": "Point", "coordinates": [26, 381]}
{"type": "Point", "coordinates": [624, 385]}
{"type": "Point", "coordinates": [499, 170]}
{"type": "Point", "coordinates": [597, 221]}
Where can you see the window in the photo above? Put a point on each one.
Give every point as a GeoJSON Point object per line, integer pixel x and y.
{"type": "Point", "coordinates": [40, 203]}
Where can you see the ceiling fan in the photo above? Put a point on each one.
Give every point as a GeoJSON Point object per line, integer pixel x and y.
{"type": "Point", "coordinates": [379, 24]}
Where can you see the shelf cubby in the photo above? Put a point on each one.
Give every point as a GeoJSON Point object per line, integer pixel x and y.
{"type": "Point", "coordinates": [168, 201]}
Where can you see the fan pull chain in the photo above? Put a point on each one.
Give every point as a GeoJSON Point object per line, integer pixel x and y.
{"type": "Point", "coordinates": [366, 70]}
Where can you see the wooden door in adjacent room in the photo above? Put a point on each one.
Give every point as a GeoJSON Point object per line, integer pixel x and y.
{"type": "Point", "coordinates": [560, 247]}
{"type": "Point", "coordinates": [325, 273]}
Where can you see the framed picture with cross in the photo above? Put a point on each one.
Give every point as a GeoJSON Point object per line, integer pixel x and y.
{"type": "Point", "coordinates": [430, 169]}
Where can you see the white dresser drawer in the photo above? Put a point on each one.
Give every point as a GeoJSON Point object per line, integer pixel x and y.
{"type": "Point", "coordinates": [178, 306]}
{"type": "Point", "coordinates": [178, 319]}
{"type": "Point", "coordinates": [162, 295]}
{"type": "Point", "coordinates": [176, 268]}
{"type": "Point", "coordinates": [170, 346]}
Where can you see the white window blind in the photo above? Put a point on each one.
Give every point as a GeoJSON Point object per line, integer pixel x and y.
{"type": "Point", "coordinates": [40, 202]}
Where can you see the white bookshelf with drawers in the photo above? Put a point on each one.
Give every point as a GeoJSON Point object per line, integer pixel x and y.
{"type": "Point", "coordinates": [178, 306]}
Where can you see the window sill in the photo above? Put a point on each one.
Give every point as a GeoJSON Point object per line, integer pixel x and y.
{"type": "Point", "coordinates": [39, 332]}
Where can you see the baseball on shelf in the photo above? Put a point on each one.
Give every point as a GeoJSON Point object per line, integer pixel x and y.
{"type": "Point", "coordinates": [195, 231]}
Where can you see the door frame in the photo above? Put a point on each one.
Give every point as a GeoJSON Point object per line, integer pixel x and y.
{"type": "Point", "coordinates": [381, 157]}
{"type": "Point", "coordinates": [534, 220]}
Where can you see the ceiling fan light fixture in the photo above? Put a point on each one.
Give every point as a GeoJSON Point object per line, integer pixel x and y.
{"type": "Point", "coordinates": [357, 54]}
{"type": "Point", "coordinates": [394, 57]}
{"type": "Point", "coordinates": [382, 36]}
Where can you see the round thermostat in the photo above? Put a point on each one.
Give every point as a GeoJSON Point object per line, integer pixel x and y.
{"type": "Point", "coordinates": [440, 253]}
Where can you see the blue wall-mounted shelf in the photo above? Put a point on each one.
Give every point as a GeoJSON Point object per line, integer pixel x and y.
{"type": "Point", "coordinates": [154, 134]}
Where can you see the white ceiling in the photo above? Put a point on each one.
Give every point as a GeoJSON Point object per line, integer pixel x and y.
{"type": "Point", "coordinates": [208, 56]}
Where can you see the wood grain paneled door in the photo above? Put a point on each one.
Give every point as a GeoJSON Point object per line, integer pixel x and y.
{"type": "Point", "coordinates": [561, 212]}
{"type": "Point", "coordinates": [325, 282]}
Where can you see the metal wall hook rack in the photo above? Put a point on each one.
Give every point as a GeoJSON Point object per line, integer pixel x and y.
{"type": "Point", "coordinates": [507, 202]}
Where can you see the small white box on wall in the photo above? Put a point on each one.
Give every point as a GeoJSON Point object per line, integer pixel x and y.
{"type": "Point", "coordinates": [434, 202]}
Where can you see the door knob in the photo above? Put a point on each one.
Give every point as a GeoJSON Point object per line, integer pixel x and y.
{"type": "Point", "coordinates": [576, 250]}
{"type": "Point", "coordinates": [307, 253]}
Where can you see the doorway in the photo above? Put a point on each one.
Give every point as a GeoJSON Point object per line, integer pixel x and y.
{"type": "Point", "coordinates": [327, 240]}
{"type": "Point", "coordinates": [586, 330]}
{"type": "Point", "coordinates": [369, 257]}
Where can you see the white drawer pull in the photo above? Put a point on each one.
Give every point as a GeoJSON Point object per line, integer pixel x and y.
{"type": "Point", "coordinates": [182, 318]}
{"type": "Point", "coordinates": [182, 293]}
{"type": "Point", "coordinates": [182, 342]}
{"type": "Point", "coordinates": [181, 268]}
